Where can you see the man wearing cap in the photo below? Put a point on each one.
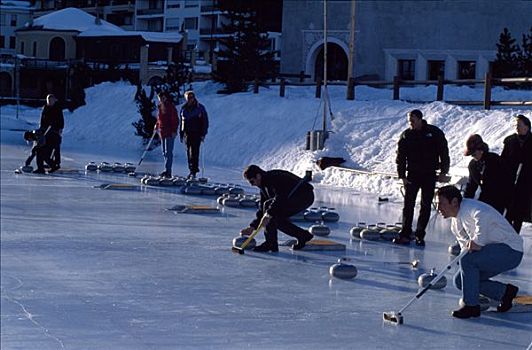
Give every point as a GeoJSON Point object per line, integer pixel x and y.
{"type": "Point", "coordinates": [421, 150]}
{"type": "Point", "coordinates": [489, 172]}
{"type": "Point", "coordinates": [517, 152]}
{"type": "Point", "coordinates": [194, 127]}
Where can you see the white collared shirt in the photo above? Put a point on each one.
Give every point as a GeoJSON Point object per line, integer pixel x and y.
{"type": "Point", "coordinates": [481, 223]}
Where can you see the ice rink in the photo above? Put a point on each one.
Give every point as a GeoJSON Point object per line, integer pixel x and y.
{"type": "Point", "coordinates": [86, 268]}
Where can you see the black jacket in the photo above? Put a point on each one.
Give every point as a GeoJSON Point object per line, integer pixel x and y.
{"type": "Point", "coordinates": [422, 152]}
{"type": "Point", "coordinates": [277, 186]}
{"type": "Point", "coordinates": [491, 173]}
{"type": "Point", "coordinates": [518, 150]}
{"type": "Point", "coordinates": [52, 116]}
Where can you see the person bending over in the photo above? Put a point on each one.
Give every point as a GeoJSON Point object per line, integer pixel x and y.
{"type": "Point", "coordinates": [493, 249]}
{"type": "Point", "coordinates": [282, 194]}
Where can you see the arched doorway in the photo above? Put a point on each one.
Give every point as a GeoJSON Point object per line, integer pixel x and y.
{"type": "Point", "coordinates": [6, 84]}
{"type": "Point", "coordinates": [57, 49]}
{"type": "Point", "coordinates": [336, 63]}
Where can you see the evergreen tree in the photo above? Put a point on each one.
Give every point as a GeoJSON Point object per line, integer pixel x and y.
{"type": "Point", "coordinates": [506, 63]}
{"type": "Point", "coordinates": [525, 55]}
{"type": "Point", "coordinates": [245, 55]}
{"type": "Point", "coordinates": [145, 105]}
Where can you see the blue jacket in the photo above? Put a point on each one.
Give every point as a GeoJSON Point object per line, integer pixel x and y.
{"type": "Point", "coordinates": [194, 120]}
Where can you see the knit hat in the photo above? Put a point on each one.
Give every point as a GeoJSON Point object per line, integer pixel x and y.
{"type": "Point", "coordinates": [474, 143]}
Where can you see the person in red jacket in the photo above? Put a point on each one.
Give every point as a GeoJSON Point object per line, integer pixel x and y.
{"type": "Point", "coordinates": [167, 124]}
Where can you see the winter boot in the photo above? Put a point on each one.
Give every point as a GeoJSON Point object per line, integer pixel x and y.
{"type": "Point", "coordinates": [267, 247]}
{"type": "Point", "coordinates": [467, 312]}
{"type": "Point", "coordinates": [39, 171]}
{"type": "Point", "coordinates": [420, 241]}
{"type": "Point", "coordinates": [301, 242]}
{"type": "Point", "coordinates": [509, 295]}
{"type": "Point", "coordinates": [54, 168]}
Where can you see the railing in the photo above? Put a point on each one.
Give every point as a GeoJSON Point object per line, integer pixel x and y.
{"type": "Point", "coordinates": [214, 31]}
{"type": "Point", "coordinates": [396, 84]}
{"type": "Point", "coordinates": [145, 12]}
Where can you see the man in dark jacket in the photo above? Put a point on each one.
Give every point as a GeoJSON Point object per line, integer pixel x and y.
{"type": "Point", "coordinates": [517, 152]}
{"type": "Point", "coordinates": [282, 194]}
{"type": "Point", "coordinates": [421, 150]}
{"type": "Point", "coordinates": [488, 171]}
{"type": "Point", "coordinates": [194, 127]}
{"type": "Point", "coordinates": [52, 117]}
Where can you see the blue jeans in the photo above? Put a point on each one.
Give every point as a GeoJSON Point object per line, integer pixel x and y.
{"type": "Point", "coordinates": [167, 146]}
{"type": "Point", "coordinates": [476, 269]}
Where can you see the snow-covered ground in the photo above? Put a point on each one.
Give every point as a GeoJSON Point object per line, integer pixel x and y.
{"type": "Point", "coordinates": [84, 268]}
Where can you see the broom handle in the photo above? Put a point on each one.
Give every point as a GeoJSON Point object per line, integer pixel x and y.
{"type": "Point", "coordinates": [436, 279]}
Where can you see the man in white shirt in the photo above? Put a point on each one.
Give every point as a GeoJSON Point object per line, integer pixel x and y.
{"type": "Point", "coordinates": [493, 245]}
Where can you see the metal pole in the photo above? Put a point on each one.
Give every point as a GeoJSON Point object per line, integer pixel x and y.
{"type": "Point", "coordinates": [324, 68]}
{"type": "Point", "coordinates": [351, 42]}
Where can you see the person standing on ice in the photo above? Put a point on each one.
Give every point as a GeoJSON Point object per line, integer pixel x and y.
{"type": "Point", "coordinates": [493, 249]}
{"type": "Point", "coordinates": [517, 152]}
{"type": "Point", "coordinates": [282, 194]}
{"type": "Point", "coordinates": [194, 127]}
{"type": "Point", "coordinates": [52, 124]}
{"type": "Point", "coordinates": [421, 150]}
{"type": "Point", "coordinates": [167, 124]}
{"type": "Point", "coordinates": [488, 171]}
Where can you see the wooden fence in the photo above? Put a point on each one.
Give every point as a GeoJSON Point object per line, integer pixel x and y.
{"type": "Point", "coordinates": [488, 82]}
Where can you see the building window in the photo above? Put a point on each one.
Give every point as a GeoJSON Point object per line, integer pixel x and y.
{"type": "Point", "coordinates": [12, 42]}
{"type": "Point", "coordinates": [34, 51]}
{"type": "Point", "coordinates": [172, 24]}
{"type": "Point", "coordinates": [2, 41]}
{"type": "Point", "coordinates": [2, 19]}
{"type": "Point", "coordinates": [191, 23]}
{"type": "Point", "coordinates": [22, 47]}
{"type": "Point", "coordinates": [467, 69]}
{"type": "Point", "coordinates": [173, 5]}
{"type": "Point", "coordinates": [191, 3]}
{"type": "Point", "coordinates": [406, 69]}
{"type": "Point", "coordinates": [436, 69]}
{"type": "Point", "coordinates": [13, 20]}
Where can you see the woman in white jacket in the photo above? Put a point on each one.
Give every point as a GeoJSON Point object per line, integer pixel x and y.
{"type": "Point", "coordinates": [494, 247]}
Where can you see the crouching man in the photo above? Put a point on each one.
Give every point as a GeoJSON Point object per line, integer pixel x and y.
{"type": "Point", "coordinates": [282, 194]}
{"type": "Point", "coordinates": [493, 248]}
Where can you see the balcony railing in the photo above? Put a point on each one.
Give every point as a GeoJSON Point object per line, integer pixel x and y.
{"type": "Point", "coordinates": [147, 12]}
{"type": "Point", "coordinates": [214, 31]}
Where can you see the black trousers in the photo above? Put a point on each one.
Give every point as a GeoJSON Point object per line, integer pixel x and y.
{"type": "Point", "coordinates": [53, 142]}
{"type": "Point", "coordinates": [294, 205]}
{"type": "Point", "coordinates": [193, 142]}
{"type": "Point", "coordinates": [426, 184]}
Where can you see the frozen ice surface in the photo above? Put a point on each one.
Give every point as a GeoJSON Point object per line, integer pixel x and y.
{"type": "Point", "coordinates": [85, 268]}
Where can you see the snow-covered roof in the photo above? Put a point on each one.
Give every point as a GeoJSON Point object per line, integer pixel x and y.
{"type": "Point", "coordinates": [148, 36]}
{"type": "Point", "coordinates": [73, 19]}
{"type": "Point", "coordinates": [15, 5]}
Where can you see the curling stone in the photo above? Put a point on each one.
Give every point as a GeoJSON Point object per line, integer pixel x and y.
{"type": "Point", "coordinates": [312, 215]}
{"type": "Point", "coordinates": [220, 199]}
{"type": "Point", "coordinates": [130, 167]}
{"type": "Point", "coordinates": [355, 230]}
{"type": "Point", "coordinates": [298, 217]}
{"type": "Point", "coordinates": [105, 167]}
{"type": "Point", "coordinates": [454, 249]}
{"type": "Point", "coordinates": [221, 190]}
{"type": "Point", "coordinates": [237, 242]}
{"type": "Point", "coordinates": [389, 233]}
{"type": "Point", "coordinates": [483, 301]}
{"type": "Point", "coordinates": [342, 270]}
{"type": "Point", "coordinates": [370, 233]}
{"type": "Point", "coordinates": [231, 202]}
{"type": "Point", "coordinates": [236, 190]}
{"type": "Point", "coordinates": [381, 225]}
{"type": "Point", "coordinates": [165, 181]}
{"type": "Point", "coordinates": [319, 230]}
{"type": "Point", "coordinates": [26, 168]}
{"type": "Point", "coordinates": [330, 216]}
{"type": "Point", "coordinates": [152, 181]}
{"type": "Point", "coordinates": [118, 168]}
{"type": "Point", "coordinates": [91, 166]}
{"type": "Point", "coordinates": [424, 280]}
{"type": "Point", "coordinates": [178, 181]}
{"type": "Point", "coordinates": [248, 202]}
{"type": "Point", "coordinates": [208, 190]}
{"type": "Point", "coordinates": [191, 189]}
{"type": "Point", "coordinates": [398, 226]}
{"type": "Point", "coordinates": [143, 179]}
